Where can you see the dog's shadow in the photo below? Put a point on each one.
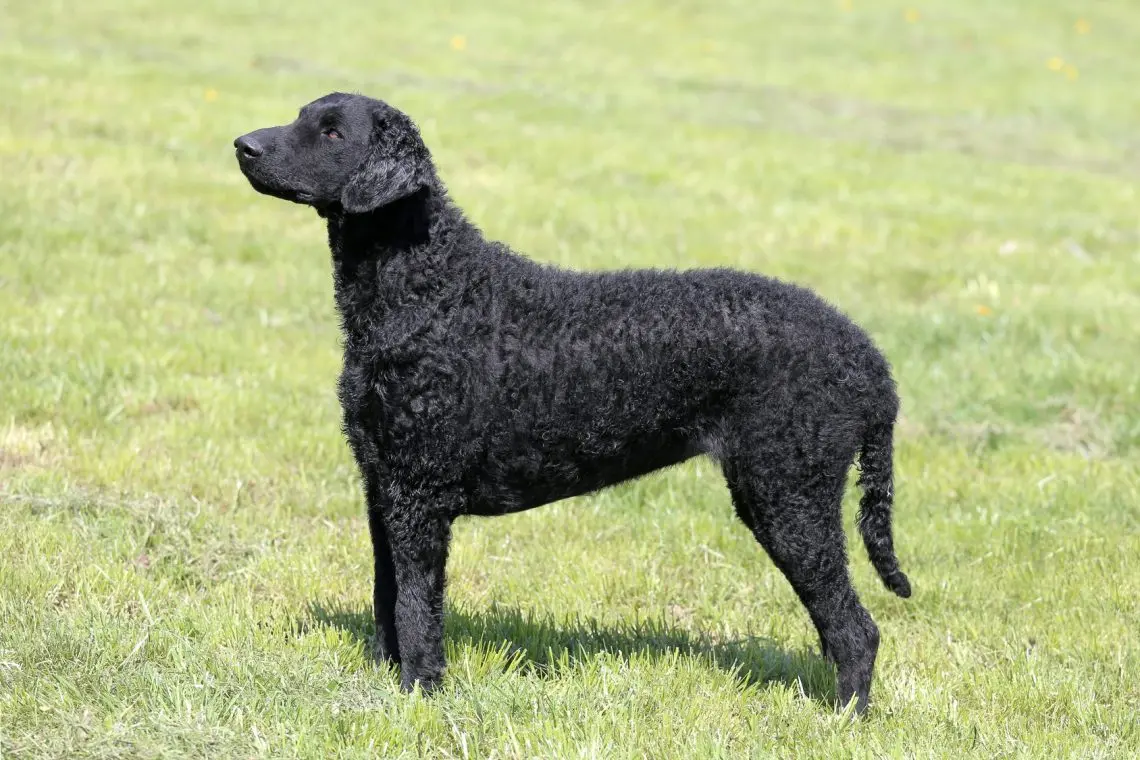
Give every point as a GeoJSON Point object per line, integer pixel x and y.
{"type": "Point", "coordinates": [538, 644]}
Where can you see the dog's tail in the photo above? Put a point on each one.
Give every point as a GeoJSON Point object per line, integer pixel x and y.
{"type": "Point", "coordinates": [877, 482]}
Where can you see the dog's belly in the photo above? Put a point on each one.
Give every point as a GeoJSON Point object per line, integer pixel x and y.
{"type": "Point", "coordinates": [542, 476]}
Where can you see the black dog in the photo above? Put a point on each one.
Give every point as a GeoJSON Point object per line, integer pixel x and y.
{"type": "Point", "coordinates": [477, 382]}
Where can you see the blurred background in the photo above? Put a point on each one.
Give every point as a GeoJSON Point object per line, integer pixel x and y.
{"type": "Point", "coordinates": [959, 177]}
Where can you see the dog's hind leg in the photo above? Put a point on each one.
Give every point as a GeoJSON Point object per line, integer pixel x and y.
{"type": "Point", "coordinates": [794, 511]}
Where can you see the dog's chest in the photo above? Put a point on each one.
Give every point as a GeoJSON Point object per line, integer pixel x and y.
{"type": "Point", "coordinates": [401, 390]}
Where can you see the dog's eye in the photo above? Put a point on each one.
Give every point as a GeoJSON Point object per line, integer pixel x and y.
{"type": "Point", "coordinates": [333, 134]}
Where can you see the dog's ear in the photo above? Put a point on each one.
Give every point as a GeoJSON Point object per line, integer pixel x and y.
{"type": "Point", "coordinates": [397, 165]}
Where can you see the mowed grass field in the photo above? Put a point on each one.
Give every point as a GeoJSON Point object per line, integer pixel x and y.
{"type": "Point", "coordinates": [184, 561]}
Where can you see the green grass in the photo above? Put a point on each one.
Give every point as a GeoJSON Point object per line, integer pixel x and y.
{"type": "Point", "coordinates": [184, 564]}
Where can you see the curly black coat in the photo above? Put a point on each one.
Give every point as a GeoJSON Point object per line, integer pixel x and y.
{"type": "Point", "coordinates": [478, 382]}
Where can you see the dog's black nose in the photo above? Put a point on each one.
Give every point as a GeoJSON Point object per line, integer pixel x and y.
{"type": "Point", "coordinates": [249, 147]}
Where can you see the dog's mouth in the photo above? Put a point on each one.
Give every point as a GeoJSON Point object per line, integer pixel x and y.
{"type": "Point", "coordinates": [297, 195]}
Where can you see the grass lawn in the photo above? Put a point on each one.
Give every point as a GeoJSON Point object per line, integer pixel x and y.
{"type": "Point", "coordinates": [184, 560]}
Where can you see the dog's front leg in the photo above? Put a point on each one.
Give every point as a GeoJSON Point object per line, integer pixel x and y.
{"type": "Point", "coordinates": [418, 540]}
{"type": "Point", "coordinates": [386, 646]}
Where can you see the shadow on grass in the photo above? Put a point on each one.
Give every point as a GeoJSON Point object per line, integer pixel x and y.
{"type": "Point", "coordinates": [540, 644]}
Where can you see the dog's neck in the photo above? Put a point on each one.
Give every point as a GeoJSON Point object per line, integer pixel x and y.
{"type": "Point", "coordinates": [380, 234]}
{"type": "Point", "coordinates": [408, 236]}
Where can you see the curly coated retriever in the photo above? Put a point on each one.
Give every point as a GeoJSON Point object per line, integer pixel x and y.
{"type": "Point", "coordinates": [478, 382]}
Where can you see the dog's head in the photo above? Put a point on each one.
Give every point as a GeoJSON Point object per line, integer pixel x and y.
{"type": "Point", "coordinates": [343, 151]}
